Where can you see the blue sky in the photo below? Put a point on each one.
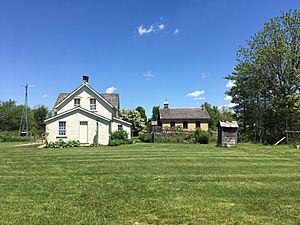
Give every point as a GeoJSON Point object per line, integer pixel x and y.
{"type": "Point", "coordinates": [147, 51]}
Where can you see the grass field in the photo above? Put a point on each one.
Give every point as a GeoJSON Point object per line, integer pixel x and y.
{"type": "Point", "coordinates": [150, 184]}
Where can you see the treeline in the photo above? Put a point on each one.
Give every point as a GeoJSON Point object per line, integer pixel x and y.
{"type": "Point", "coordinates": [266, 80]}
{"type": "Point", "coordinates": [11, 114]}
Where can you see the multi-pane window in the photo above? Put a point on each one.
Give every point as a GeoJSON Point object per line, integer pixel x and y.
{"type": "Point", "coordinates": [62, 128]}
{"type": "Point", "coordinates": [92, 104]}
{"type": "Point", "coordinates": [172, 124]}
{"type": "Point", "coordinates": [77, 102]}
{"type": "Point", "coordinates": [197, 124]}
{"type": "Point", "coordinates": [120, 127]}
{"type": "Point", "coordinates": [185, 125]}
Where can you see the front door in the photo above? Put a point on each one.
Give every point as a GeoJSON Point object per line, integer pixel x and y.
{"type": "Point", "coordinates": [83, 132]}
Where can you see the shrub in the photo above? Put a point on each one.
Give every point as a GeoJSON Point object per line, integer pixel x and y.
{"type": "Point", "coordinates": [177, 128]}
{"type": "Point", "coordinates": [63, 144]}
{"type": "Point", "coordinates": [145, 137]}
{"type": "Point", "coordinates": [119, 135]}
{"type": "Point", "coordinates": [190, 138]}
{"type": "Point", "coordinates": [201, 136]}
{"type": "Point", "coordinates": [11, 136]}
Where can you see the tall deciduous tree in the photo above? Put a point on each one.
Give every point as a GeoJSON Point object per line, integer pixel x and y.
{"type": "Point", "coordinates": [10, 115]}
{"type": "Point", "coordinates": [216, 115]}
{"type": "Point", "coordinates": [40, 113]}
{"type": "Point", "coordinates": [155, 111]}
{"type": "Point", "coordinates": [142, 111]}
{"type": "Point", "coordinates": [267, 80]}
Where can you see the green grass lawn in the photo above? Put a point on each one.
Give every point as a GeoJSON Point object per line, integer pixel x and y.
{"type": "Point", "coordinates": [150, 184]}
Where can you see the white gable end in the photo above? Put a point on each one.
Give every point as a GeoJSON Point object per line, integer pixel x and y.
{"type": "Point", "coordinates": [84, 96]}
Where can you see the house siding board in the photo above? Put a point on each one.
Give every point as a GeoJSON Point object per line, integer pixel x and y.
{"type": "Point", "coordinates": [191, 124]}
{"type": "Point", "coordinates": [72, 128]}
{"type": "Point", "coordinates": [102, 108]}
{"type": "Point", "coordinates": [126, 127]}
{"type": "Point", "coordinates": [227, 133]}
{"type": "Point", "coordinates": [204, 126]}
{"type": "Point", "coordinates": [113, 99]}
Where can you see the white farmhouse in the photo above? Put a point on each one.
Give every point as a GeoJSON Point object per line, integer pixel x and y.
{"type": "Point", "coordinates": [85, 115]}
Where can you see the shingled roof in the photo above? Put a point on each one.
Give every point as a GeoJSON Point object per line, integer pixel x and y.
{"type": "Point", "coordinates": [183, 113]}
{"type": "Point", "coordinates": [113, 99]}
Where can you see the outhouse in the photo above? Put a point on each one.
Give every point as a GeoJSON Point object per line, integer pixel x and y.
{"type": "Point", "coordinates": [227, 133]}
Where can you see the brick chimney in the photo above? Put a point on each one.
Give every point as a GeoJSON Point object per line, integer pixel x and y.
{"type": "Point", "coordinates": [85, 79]}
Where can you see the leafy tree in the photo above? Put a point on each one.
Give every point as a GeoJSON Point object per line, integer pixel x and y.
{"type": "Point", "coordinates": [155, 111]}
{"type": "Point", "coordinates": [267, 80]}
{"type": "Point", "coordinates": [40, 113]}
{"type": "Point", "coordinates": [134, 117]}
{"type": "Point", "coordinates": [10, 115]}
{"type": "Point", "coordinates": [216, 115]}
{"type": "Point", "coordinates": [142, 111]}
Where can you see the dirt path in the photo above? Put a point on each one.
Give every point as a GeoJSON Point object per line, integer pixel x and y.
{"type": "Point", "coordinates": [29, 144]}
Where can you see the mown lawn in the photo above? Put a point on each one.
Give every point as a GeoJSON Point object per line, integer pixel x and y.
{"type": "Point", "coordinates": [150, 184]}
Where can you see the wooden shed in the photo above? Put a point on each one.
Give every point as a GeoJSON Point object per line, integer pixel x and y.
{"type": "Point", "coordinates": [227, 133]}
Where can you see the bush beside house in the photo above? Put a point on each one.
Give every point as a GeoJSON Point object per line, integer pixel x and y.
{"type": "Point", "coordinates": [119, 137]}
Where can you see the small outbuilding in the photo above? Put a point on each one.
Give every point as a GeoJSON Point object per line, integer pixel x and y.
{"type": "Point", "coordinates": [227, 133]}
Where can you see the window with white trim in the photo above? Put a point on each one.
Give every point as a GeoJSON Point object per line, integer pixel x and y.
{"type": "Point", "coordinates": [62, 128]}
{"type": "Point", "coordinates": [92, 104]}
{"type": "Point", "coordinates": [77, 102]}
{"type": "Point", "coordinates": [120, 127]}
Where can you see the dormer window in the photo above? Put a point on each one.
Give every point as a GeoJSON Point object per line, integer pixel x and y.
{"type": "Point", "coordinates": [77, 102]}
{"type": "Point", "coordinates": [92, 104]}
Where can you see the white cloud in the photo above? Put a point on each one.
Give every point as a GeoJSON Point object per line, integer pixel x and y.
{"type": "Point", "coordinates": [203, 75]}
{"type": "Point", "coordinates": [161, 26]}
{"type": "Point", "coordinates": [111, 90]}
{"type": "Point", "coordinates": [148, 75]}
{"type": "Point", "coordinates": [176, 31]}
{"type": "Point", "coordinates": [230, 84]}
{"type": "Point", "coordinates": [197, 95]}
{"type": "Point", "coordinates": [154, 28]}
{"type": "Point", "coordinates": [227, 107]}
{"type": "Point", "coordinates": [143, 30]}
{"type": "Point", "coordinates": [45, 96]}
{"type": "Point", "coordinates": [228, 98]}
